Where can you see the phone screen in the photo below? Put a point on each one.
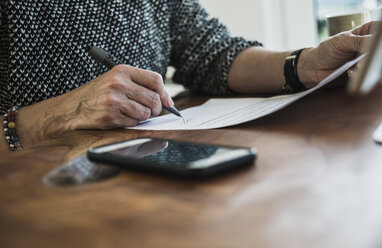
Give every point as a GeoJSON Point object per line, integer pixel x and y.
{"type": "Point", "coordinates": [182, 154]}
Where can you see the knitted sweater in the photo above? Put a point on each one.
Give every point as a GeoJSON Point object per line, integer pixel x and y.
{"type": "Point", "coordinates": [43, 44]}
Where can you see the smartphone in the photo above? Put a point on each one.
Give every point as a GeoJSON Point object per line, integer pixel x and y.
{"type": "Point", "coordinates": [173, 157]}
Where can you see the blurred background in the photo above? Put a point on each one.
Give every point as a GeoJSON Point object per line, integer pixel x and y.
{"type": "Point", "coordinates": [282, 24]}
{"type": "Point", "coordinates": [278, 24]}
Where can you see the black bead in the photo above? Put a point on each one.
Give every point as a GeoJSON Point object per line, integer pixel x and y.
{"type": "Point", "coordinates": [14, 149]}
{"type": "Point", "coordinates": [12, 131]}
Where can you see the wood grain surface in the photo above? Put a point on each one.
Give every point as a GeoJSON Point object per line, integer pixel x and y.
{"type": "Point", "coordinates": [317, 182]}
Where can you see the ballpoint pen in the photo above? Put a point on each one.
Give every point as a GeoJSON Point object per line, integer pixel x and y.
{"type": "Point", "coordinates": [107, 60]}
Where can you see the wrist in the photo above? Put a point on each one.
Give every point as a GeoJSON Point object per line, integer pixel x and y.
{"type": "Point", "coordinates": [306, 68]}
{"type": "Point", "coordinates": [39, 122]}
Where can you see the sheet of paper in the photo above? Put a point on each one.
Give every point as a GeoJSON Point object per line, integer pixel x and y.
{"type": "Point", "coordinates": [217, 113]}
{"type": "Point", "coordinates": [377, 135]}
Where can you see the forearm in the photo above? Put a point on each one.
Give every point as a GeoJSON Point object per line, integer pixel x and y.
{"type": "Point", "coordinates": [121, 97]}
{"type": "Point", "coordinates": [36, 123]}
{"type": "Point", "coordinates": [257, 70]}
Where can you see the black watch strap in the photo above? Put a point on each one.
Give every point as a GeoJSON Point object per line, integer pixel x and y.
{"type": "Point", "coordinates": [290, 72]}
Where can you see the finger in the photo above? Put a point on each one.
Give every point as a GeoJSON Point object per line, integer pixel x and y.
{"type": "Point", "coordinates": [118, 111]}
{"type": "Point", "coordinates": [357, 43]}
{"type": "Point", "coordinates": [147, 79]}
{"type": "Point", "coordinates": [133, 109]}
{"type": "Point", "coordinates": [117, 83]}
{"type": "Point", "coordinates": [144, 96]}
{"type": "Point", "coordinates": [126, 121]}
{"type": "Point", "coordinates": [153, 81]}
{"type": "Point", "coordinates": [106, 118]}
{"type": "Point", "coordinates": [351, 72]}
{"type": "Point", "coordinates": [367, 28]}
{"type": "Point", "coordinates": [115, 101]}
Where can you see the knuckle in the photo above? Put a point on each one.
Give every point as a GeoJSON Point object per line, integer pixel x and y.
{"type": "Point", "coordinates": [155, 98]}
{"type": "Point", "coordinates": [345, 34]}
{"type": "Point", "coordinates": [109, 100]}
{"type": "Point", "coordinates": [156, 104]}
{"type": "Point", "coordinates": [156, 111]}
{"type": "Point", "coordinates": [118, 69]}
{"type": "Point", "coordinates": [157, 80]}
{"type": "Point", "coordinates": [116, 81]}
{"type": "Point", "coordinates": [157, 77]}
{"type": "Point", "coordinates": [146, 113]}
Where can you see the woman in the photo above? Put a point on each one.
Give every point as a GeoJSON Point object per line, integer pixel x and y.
{"type": "Point", "coordinates": [45, 70]}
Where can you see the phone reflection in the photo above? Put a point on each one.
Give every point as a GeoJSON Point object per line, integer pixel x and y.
{"type": "Point", "coordinates": [181, 154]}
{"type": "Point", "coordinates": [165, 152]}
{"type": "Point", "coordinates": [81, 170]}
{"type": "Point", "coordinates": [141, 150]}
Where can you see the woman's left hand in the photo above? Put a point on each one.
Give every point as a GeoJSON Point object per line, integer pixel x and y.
{"type": "Point", "coordinates": [317, 63]}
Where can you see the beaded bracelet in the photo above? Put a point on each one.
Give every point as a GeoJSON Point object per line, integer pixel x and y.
{"type": "Point", "coordinates": [9, 125]}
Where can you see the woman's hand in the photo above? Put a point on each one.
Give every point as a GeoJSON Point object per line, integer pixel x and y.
{"type": "Point", "coordinates": [316, 64]}
{"type": "Point", "coordinates": [120, 97]}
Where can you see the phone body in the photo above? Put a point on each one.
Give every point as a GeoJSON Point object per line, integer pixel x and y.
{"type": "Point", "coordinates": [173, 157]}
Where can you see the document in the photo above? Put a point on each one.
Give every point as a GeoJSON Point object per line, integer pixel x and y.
{"type": "Point", "coordinates": [223, 112]}
{"type": "Point", "coordinates": [377, 135]}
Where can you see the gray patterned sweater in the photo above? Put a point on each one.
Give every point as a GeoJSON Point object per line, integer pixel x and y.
{"type": "Point", "coordinates": [43, 44]}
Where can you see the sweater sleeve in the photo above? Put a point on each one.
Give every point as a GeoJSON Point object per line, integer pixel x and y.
{"type": "Point", "coordinates": [202, 49]}
{"type": "Point", "coordinates": [4, 62]}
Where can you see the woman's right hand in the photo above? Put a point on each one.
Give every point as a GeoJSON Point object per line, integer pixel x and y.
{"type": "Point", "coordinates": [120, 97]}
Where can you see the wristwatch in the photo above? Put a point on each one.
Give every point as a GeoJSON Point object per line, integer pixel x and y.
{"type": "Point", "coordinates": [292, 81]}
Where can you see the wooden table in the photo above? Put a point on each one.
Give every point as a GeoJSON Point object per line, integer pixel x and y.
{"type": "Point", "coordinates": [317, 182]}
